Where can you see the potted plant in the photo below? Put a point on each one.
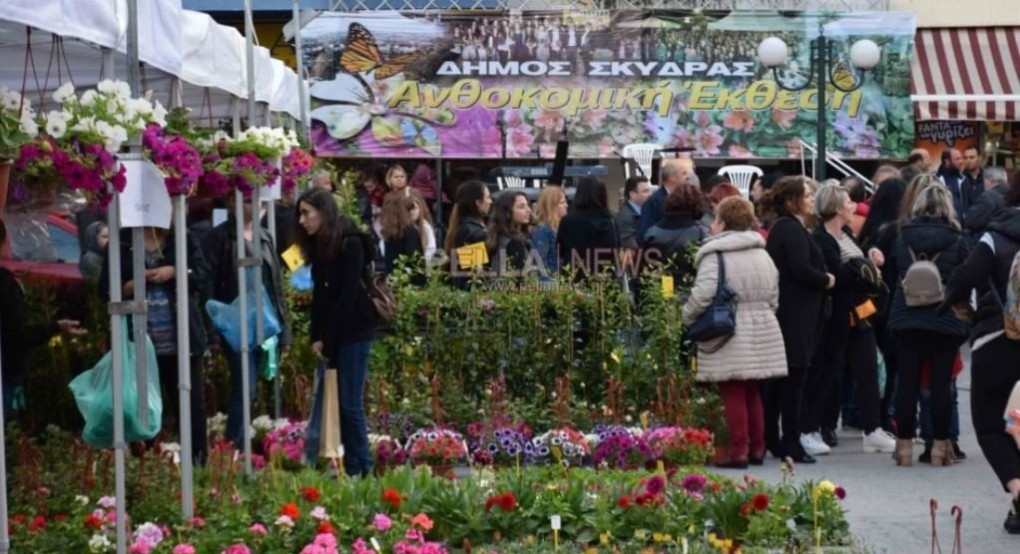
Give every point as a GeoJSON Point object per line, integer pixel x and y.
{"type": "Point", "coordinates": [564, 446]}
{"type": "Point", "coordinates": [17, 127]}
{"type": "Point", "coordinates": [438, 448]}
{"type": "Point", "coordinates": [252, 159]}
{"type": "Point", "coordinates": [678, 446]}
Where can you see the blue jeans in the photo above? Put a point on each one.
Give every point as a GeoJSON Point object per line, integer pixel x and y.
{"type": "Point", "coordinates": [235, 407]}
{"type": "Point", "coordinates": [351, 375]}
{"type": "Point", "coordinates": [925, 417]}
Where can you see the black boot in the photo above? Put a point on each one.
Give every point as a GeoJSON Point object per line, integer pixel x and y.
{"type": "Point", "coordinates": [829, 437]}
{"type": "Point", "coordinates": [1012, 523]}
{"type": "Point", "coordinates": [958, 454]}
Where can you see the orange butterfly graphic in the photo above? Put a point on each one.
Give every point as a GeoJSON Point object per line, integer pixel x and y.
{"type": "Point", "coordinates": [361, 55]}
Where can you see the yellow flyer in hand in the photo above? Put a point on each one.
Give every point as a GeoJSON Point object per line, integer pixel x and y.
{"type": "Point", "coordinates": [472, 255]}
{"type": "Point", "coordinates": [293, 258]}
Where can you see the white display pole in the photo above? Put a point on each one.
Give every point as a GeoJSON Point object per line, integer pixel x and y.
{"type": "Point", "coordinates": [300, 66]}
{"type": "Point", "coordinates": [5, 539]}
{"type": "Point", "coordinates": [184, 383]}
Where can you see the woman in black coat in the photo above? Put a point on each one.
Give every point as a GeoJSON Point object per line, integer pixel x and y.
{"type": "Point", "coordinates": [849, 336]}
{"type": "Point", "coordinates": [681, 227]}
{"type": "Point", "coordinates": [803, 282]}
{"type": "Point", "coordinates": [588, 240]}
{"type": "Point", "coordinates": [508, 242]}
{"type": "Point", "coordinates": [994, 367]}
{"type": "Point", "coordinates": [467, 223]}
{"type": "Point", "coordinates": [343, 319]}
{"type": "Point", "coordinates": [161, 261]}
{"type": "Point", "coordinates": [400, 236]}
{"type": "Point", "coordinates": [922, 334]}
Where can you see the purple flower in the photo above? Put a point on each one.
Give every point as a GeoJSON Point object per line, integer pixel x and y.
{"type": "Point", "coordinates": [694, 482]}
{"type": "Point", "coordinates": [655, 485]}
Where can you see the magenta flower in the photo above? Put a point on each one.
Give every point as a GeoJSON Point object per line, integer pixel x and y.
{"type": "Point", "coordinates": [184, 548]}
{"type": "Point", "coordinates": [382, 523]}
{"type": "Point", "coordinates": [694, 482]}
{"type": "Point", "coordinates": [239, 548]}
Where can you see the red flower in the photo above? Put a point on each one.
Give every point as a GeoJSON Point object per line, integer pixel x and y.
{"type": "Point", "coordinates": [325, 528]}
{"type": "Point", "coordinates": [746, 509]}
{"type": "Point", "coordinates": [290, 510]}
{"type": "Point", "coordinates": [715, 487]}
{"type": "Point", "coordinates": [623, 502]}
{"type": "Point", "coordinates": [507, 502]}
{"type": "Point", "coordinates": [310, 494]}
{"type": "Point", "coordinates": [392, 497]}
{"type": "Point", "coordinates": [490, 502]}
{"type": "Point", "coordinates": [645, 498]}
{"type": "Point", "coordinates": [38, 523]}
{"type": "Point", "coordinates": [761, 502]}
{"type": "Point", "coordinates": [93, 522]}
{"type": "Point", "coordinates": [840, 493]}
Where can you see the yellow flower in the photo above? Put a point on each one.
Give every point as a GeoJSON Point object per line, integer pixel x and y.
{"type": "Point", "coordinates": [827, 486]}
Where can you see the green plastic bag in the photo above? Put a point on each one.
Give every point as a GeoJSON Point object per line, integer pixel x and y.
{"type": "Point", "coordinates": [93, 392]}
{"type": "Point", "coordinates": [270, 358]}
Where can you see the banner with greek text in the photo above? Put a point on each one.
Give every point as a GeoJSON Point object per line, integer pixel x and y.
{"type": "Point", "coordinates": [461, 84]}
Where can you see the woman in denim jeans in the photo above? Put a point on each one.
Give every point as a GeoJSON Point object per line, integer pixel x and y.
{"type": "Point", "coordinates": [343, 318]}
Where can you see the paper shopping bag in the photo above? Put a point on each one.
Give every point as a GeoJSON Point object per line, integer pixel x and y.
{"type": "Point", "coordinates": [329, 436]}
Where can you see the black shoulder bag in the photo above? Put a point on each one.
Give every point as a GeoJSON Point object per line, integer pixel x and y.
{"type": "Point", "coordinates": [720, 319]}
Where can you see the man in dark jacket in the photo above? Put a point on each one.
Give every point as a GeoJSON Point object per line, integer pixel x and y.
{"type": "Point", "coordinates": [16, 336]}
{"type": "Point", "coordinates": [673, 176]}
{"type": "Point", "coordinates": [951, 175]}
{"type": "Point", "coordinates": [988, 205]}
{"type": "Point", "coordinates": [636, 191]}
{"type": "Point", "coordinates": [973, 184]}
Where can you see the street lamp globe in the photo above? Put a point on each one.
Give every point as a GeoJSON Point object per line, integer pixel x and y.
{"type": "Point", "coordinates": [772, 52]}
{"type": "Point", "coordinates": [865, 54]}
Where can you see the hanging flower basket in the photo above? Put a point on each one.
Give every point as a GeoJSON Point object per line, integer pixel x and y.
{"type": "Point", "coordinates": [250, 160]}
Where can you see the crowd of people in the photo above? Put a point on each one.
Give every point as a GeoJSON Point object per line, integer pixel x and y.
{"type": "Point", "coordinates": [849, 302]}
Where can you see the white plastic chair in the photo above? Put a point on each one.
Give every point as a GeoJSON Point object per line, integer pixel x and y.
{"type": "Point", "coordinates": [641, 154]}
{"type": "Point", "coordinates": [511, 182]}
{"type": "Point", "coordinates": [741, 176]}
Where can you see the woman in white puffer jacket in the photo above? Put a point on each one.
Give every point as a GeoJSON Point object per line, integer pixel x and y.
{"type": "Point", "coordinates": [756, 350]}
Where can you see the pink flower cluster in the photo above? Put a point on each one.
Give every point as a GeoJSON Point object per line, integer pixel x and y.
{"type": "Point", "coordinates": [179, 160]}
{"type": "Point", "coordinates": [324, 543]}
{"type": "Point", "coordinates": [289, 441]}
{"type": "Point", "coordinates": [225, 171]}
{"type": "Point", "coordinates": [297, 164]}
{"type": "Point", "coordinates": [85, 167]}
{"type": "Point", "coordinates": [239, 548]}
{"type": "Point", "coordinates": [250, 171]}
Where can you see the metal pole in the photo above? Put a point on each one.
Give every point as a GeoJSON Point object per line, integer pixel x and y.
{"type": "Point", "coordinates": [300, 67]}
{"type": "Point", "coordinates": [116, 320]}
{"type": "Point", "coordinates": [439, 194]}
{"type": "Point", "coordinates": [5, 540]}
{"type": "Point", "coordinates": [242, 295]}
{"type": "Point", "coordinates": [183, 354]}
{"type": "Point", "coordinates": [271, 219]}
{"type": "Point", "coordinates": [823, 79]}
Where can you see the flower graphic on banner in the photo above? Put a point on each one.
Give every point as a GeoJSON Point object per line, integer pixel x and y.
{"type": "Point", "coordinates": [783, 118]}
{"type": "Point", "coordinates": [707, 140]}
{"type": "Point", "coordinates": [739, 120]}
{"type": "Point", "coordinates": [360, 101]}
{"type": "Point", "coordinates": [857, 136]}
{"type": "Point", "coordinates": [738, 151]}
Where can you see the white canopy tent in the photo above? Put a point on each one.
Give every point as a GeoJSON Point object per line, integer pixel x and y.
{"type": "Point", "coordinates": [185, 54]}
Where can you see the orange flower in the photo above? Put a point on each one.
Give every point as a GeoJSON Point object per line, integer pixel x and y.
{"type": "Point", "coordinates": [422, 521]}
{"type": "Point", "coordinates": [290, 510]}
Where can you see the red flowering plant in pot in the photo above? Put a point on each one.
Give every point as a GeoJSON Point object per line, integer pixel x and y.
{"type": "Point", "coordinates": [680, 446]}
{"type": "Point", "coordinates": [79, 143]}
{"type": "Point", "coordinates": [436, 447]}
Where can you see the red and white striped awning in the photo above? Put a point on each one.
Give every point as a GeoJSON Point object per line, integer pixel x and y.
{"type": "Point", "coordinates": [967, 74]}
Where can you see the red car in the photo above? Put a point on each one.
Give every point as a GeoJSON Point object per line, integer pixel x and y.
{"type": "Point", "coordinates": [42, 247]}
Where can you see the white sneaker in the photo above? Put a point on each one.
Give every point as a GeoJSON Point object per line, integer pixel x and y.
{"type": "Point", "coordinates": [879, 441]}
{"type": "Point", "coordinates": [813, 444]}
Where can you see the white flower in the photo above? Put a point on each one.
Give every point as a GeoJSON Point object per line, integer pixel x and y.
{"type": "Point", "coordinates": [285, 522]}
{"type": "Point", "coordinates": [64, 93]}
{"type": "Point", "coordinates": [99, 543]}
{"type": "Point", "coordinates": [319, 513]}
{"type": "Point", "coordinates": [114, 88]}
{"type": "Point", "coordinates": [89, 98]}
{"type": "Point", "coordinates": [81, 499]}
{"type": "Point", "coordinates": [159, 114]}
{"type": "Point", "coordinates": [9, 99]}
{"type": "Point", "coordinates": [29, 126]}
{"type": "Point", "coordinates": [56, 125]}
{"type": "Point", "coordinates": [262, 423]}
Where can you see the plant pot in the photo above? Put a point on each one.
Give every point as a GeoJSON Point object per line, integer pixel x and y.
{"type": "Point", "coordinates": [5, 179]}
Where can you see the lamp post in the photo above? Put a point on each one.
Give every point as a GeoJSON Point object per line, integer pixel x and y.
{"type": "Point", "coordinates": [864, 55]}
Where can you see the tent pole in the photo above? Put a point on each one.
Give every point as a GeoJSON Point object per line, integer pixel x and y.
{"type": "Point", "coordinates": [299, 65]}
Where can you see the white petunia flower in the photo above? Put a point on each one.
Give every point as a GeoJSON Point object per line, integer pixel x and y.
{"type": "Point", "coordinates": [100, 543]}
{"type": "Point", "coordinates": [64, 93]}
{"type": "Point", "coordinates": [159, 114]}
{"type": "Point", "coordinates": [56, 125]}
{"type": "Point", "coordinates": [82, 499]}
{"type": "Point", "coordinates": [89, 98]}
{"type": "Point", "coordinates": [10, 100]}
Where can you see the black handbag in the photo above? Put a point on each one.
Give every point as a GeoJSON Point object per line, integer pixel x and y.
{"type": "Point", "coordinates": [720, 319]}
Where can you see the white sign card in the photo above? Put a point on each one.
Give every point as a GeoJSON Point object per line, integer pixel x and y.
{"type": "Point", "coordinates": [145, 201]}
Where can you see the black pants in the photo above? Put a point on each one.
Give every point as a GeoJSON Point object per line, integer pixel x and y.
{"type": "Point", "coordinates": [914, 347]}
{"type": "Point", "coordinates": [887, 345]}
{"type": "Point", "coordinates": [862, 358]}
{"type": "Point", "coordinates": [171, 403]}
{"type": "Point", "coordinates": [822, 382]}
{"type": "Point", "coordinates": [995, 368]}
{"type": "Point", "coordinates": [783, 398]}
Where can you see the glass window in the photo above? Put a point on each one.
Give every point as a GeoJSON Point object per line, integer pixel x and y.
{"type": "Point", "coordinates": [65, 245]}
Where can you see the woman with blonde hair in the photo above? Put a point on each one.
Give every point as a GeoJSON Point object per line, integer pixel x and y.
{"type": "Point", "coordinates": [924, 336]}
{"type": "Point", "coordinates": [914, 188]}
{"type": "Point", "coordinates": [552, 206]}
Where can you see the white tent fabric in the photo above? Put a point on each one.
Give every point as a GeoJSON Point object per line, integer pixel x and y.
{"type": "Point", "coordinates": [208, 58]}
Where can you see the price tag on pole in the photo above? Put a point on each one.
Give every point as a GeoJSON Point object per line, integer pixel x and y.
{"type": "Point", "coordinates": [145, 201]}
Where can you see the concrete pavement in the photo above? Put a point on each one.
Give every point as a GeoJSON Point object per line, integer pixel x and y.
{"type": "Point", "coordinates": [888, 506]}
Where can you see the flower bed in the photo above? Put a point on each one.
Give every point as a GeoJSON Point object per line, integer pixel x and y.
{"type": "Point", "coordinates": [60, 504]}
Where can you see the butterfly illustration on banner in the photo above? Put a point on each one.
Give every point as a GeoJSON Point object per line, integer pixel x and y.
{"type": "Point", "coordinates": [358, 98]}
